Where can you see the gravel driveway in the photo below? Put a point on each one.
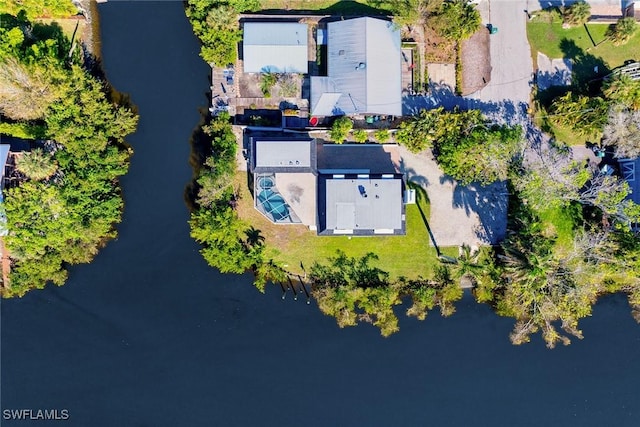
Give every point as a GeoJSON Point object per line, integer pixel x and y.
{"type": "Point", "coordinates": [471, 215]}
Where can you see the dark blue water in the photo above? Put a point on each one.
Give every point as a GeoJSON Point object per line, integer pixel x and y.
{"type": "Point", "coordinates": [148, 335]}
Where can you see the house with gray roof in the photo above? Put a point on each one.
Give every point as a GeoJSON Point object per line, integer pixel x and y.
{"type": "Point", "coordinates": [275, 47]}
{"type": "Point", "coordinates": [364, 73]}
{"type": "Point", "coordinates": [333, 189]}
{"type": "Point", "coordinates": [360, 204]}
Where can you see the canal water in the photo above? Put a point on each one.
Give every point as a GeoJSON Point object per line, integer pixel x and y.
{"type": "Point", "coordinates": [148, 335]}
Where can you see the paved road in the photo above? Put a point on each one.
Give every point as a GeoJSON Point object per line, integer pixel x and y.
{"type": "Point", "coordinates": [511, 62]}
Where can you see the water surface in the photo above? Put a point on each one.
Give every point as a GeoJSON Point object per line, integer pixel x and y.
{"type": "Point", "coordinates": [148, 335]}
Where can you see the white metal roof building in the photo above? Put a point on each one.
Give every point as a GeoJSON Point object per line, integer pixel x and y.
{"type": "Point", "coordinates": [277, 47]}
{"type": "Point", "coordinates": [360, 204]}
{"type": "Point", "coordinates": [363, 70]}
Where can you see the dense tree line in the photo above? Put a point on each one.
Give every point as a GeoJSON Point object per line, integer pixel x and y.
{"type": "Point", "coordinates": [215, 22]}
{"type": "Point", "coordinates": [228, 243]}
{"type": "Point", "coordinates": [65, 206]}
{"type": "Point", "coordinates": [353, 290]}
{"type": "Point", "coordinates": [466, 146]}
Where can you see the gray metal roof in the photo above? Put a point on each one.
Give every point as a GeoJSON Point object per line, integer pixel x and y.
{"type": "Point", "coordinates": [364, 65]}
{"type": "Point", "coordinates": [275, 47]}
{"type": "Point", "coordinates": [363, 204]}
{"type": "Point", "coordinates": [281, 155]}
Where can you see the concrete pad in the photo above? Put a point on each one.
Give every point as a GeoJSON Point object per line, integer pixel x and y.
{"type": "Point", "coordinates": [442, 74]}
{"type": "Point", "coordinates": [299, 191]}
{"type": "Point", "coordinates": [553, 72]}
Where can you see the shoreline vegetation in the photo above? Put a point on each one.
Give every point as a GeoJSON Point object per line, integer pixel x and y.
{"type": "Point", "coordinates": [63, 199]}
{"type": "Point", "coordinates": [569, 238]}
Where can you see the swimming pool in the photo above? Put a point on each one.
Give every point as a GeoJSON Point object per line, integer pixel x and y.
{"type": "Point", "coordinates": [273, 205]}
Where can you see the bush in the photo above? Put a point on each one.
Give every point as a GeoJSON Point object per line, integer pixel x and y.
{"type": "Point", "coordinates": [381, 135]}
{"type": "Point", "coordinates": [360, 135]}
{"type": "Point", "coordinates": [340, 129]}
{"type": "Point", "coordinates": [457, 20]}
{"type": "Point", "coordinates": [267, 82]}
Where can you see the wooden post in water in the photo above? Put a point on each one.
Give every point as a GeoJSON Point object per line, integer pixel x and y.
{"type": "Point", "coordinates": [305, 289]}
{"type": "Point", "coordinates": [293, 288]}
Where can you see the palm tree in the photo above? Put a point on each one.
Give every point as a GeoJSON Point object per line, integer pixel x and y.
{"type": "Point", "coordinates": [36, 165]}
{"type": "Point", "coordinates": [623, 31]}
{"type": "Point", "coordinates": [577, 14]}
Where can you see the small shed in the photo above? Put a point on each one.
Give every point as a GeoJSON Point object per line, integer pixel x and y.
{"type": "Point", "coordinates": [276, 47]}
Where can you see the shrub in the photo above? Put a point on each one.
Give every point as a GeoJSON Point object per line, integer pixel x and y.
{"type": "Point", "coordinates": [622, 31]}
{"type": "Point", "coordinates": [340, 128]}
{"type": "Point", "coordinates": [267, 81]}
{"type": "Point", "coordinates": [382, 135]}
{"type": "Point", "coordinates": [360, 135]}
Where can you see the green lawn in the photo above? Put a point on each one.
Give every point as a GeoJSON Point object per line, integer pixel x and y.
{"type": "Point", "coordinates": [561, 222]}
{"type": "Point", "coordinates": [588, 49]}
{"type": "Point", "coordinates": [563, 134]}
{"type": "Point", "coordinates": [556, 42]}
{"type": "Point", "coordinates": [410, 255]}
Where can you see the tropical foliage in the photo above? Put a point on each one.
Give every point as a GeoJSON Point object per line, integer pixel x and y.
{"type": "Point", "coordinates": [69, 200]}
{"type": "Point", "coordinates": [623, 30]}
{"type": "Point", "coordinates": [576, 14]}
{"type": "Point", "coordinates": [340, 129]}
{"type": "Point", "coordinates": [353, 290]}
{"type": "Point", "coordinates": [409, 12]}
{"type": "Point", "coordinates": [466, 146]}
{"type": "Point", "coordinates": [457, 19]}
{"type": "Point", "coordinates": [622, 90]}
{"type": "Point", "coordinates": [585, 115]}
{"type": "Point", "coordinates": [215, 22]}
{"type": "Point", "coordinates": [39, 9]}
{"type": "Point", "coordinates": [228, 243]}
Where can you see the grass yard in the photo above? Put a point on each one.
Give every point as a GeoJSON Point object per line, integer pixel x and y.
{"type": "Point", "coordinates": [563, 134]}
{"type": "Point", "coordinates": [556, 42]}
{"type": "Point", "coordinates": [408, 256]}
{"type": "Point", "coordinates": [561, 222]}
{"type": "Point", "coordinates": [337, 7]}
{"type": "Point", "coordinates": [68, 25]}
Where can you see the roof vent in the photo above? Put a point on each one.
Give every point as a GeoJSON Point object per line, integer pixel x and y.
{"type": "Point", "coordinates": [341, 52]}
{"type": "Point", "coordinates": [361, 66]}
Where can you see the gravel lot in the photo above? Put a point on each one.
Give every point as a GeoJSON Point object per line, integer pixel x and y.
{"type": "Point", "coordinates": [471, 215]}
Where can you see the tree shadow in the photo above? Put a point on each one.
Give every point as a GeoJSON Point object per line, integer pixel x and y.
{"type": "Point", "coordinates": [201, 148]}
{"type": "Point", "coordinates": [588, 69]}
{"type": "Point", "coordinates": [412, 175]}
{"type": "Point", "coordinates": [490, 203]}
